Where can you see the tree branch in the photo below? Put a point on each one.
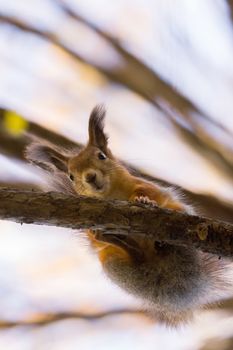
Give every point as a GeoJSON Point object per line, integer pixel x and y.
{"type": "Point", "coordinates": [14, 147]}
{"type": "Point", "coordinates": [167, 92]}
{"type": "Point", "coordinates": [230, 4]}
{"type": "Point", "coordinates": [117, 217]}
{"type": "Point", "coordinates": [46, 319]}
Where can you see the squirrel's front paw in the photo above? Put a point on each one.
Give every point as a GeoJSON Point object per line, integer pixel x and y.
{"type": "Point", "coordinates": [145, 200]}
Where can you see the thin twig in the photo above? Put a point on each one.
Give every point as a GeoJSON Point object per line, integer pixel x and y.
{"type": "Point", "coordinates": [46, 319]}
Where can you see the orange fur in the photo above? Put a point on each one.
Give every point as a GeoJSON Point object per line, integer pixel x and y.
{"type": "Point", "coordinates": [172, 280]}
{"type": "Point", "coordinates": [107, 250]}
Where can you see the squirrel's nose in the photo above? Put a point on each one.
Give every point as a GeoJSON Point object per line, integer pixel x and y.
{"type": "Point", "coordinates": [90, 177]}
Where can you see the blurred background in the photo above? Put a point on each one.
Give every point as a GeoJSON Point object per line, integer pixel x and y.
{"type": "Point", "coordinates": [164, 69]}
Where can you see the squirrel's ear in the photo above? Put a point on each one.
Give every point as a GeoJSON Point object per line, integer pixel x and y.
{"type": "Point", "coordinates": [47, 157]}
{"type": "Point", "coordinates": [97, 137]}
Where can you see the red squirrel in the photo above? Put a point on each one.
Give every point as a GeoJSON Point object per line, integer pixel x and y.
{"type": "Point", "coordinates": [172, 281]}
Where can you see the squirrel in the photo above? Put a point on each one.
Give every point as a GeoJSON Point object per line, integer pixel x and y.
{"type": "Point", "coordinates": [172, 281]}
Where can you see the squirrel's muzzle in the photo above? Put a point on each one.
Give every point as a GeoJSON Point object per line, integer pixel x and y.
{"type": "Point", "coordinates": [90, 177]}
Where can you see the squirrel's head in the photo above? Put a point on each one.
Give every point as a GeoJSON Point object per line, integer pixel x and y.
{"type": "Point", "coordinates": [92, 170]}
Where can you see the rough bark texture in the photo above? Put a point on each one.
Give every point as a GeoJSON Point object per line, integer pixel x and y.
{"type": "Point", "coordinates": [116, 217]}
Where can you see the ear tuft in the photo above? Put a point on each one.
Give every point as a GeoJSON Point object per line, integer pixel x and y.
{"type": "Point", "coordinates": [97, 137]}
{"type": "Point", "coordinates": [46, 156]}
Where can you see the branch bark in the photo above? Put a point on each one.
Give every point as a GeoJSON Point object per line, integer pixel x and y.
{"type": "Point", "coordinates": [117, 217]}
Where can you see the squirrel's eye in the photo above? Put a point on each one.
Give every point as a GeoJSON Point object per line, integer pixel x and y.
{"type": "Point", "coordinates": [71, 177]}
{"type": "Point", "coordinates": [101, 156]}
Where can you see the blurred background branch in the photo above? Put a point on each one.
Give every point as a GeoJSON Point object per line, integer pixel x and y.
{"type": "Point", "coordinates": [230, 4]}
{"type": "Point", "coordinates": [46, 319]}
{"type": "Point", "coordinates": [137, 77]}
{"type": "Point", "coordinates": [164, 70]}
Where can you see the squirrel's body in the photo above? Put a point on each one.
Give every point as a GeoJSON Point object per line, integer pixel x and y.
{"type": "Point", "coordinates": [172, 281]}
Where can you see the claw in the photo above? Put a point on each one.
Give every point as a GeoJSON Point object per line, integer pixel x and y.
{"type": "Point", "coordinates": [145, 200]}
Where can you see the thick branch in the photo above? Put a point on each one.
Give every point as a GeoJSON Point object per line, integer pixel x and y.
{"type": "Point", "coordinates": [116, 217]}
{"type": "Point", "coordinates": [15, 146]}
